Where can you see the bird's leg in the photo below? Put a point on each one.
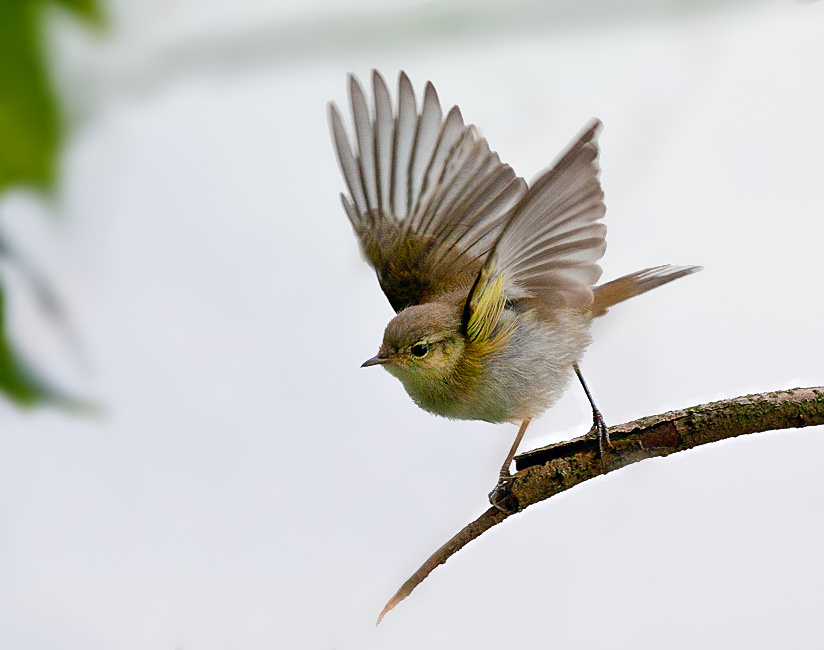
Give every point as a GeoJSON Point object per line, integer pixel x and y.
{"type": "Point", "coordinates": [501, 490]}
{"type": "Point", "coordinates": [505, 473]}
{"type": "Point", "coordinates": [599, 427]}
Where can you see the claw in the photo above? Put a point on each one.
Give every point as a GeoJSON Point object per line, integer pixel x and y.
{"type": "Point", "coordinates": [501, 492]}
{"type": "Point", "coordinates": [599, 429]}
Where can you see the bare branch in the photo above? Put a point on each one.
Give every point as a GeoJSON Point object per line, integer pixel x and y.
{"type": "Point", "coordinates": [545, 472]}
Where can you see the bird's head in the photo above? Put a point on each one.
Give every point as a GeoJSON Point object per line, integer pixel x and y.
{"type": "Point", "coordinates": [423, 344]}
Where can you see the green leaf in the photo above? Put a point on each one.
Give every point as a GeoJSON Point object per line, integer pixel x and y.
{"type": "Point", "coordinates": [30, 130]}
{"type": "Point", "coordinates": [89, 10]}
{"type": "Point", "coordinates": [31, 134]}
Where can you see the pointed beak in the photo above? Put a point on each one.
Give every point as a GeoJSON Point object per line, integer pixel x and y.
{"type": "Point", "coordinates": [375, 361]}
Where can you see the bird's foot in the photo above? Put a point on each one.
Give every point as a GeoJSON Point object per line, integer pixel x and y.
{"type": "Point", "coordinates": [600, 430]}
{"type": "Point", "coordinates": [501, 493]}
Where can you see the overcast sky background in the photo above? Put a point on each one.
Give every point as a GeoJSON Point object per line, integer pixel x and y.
{"type": "Point", "coordinates": [249, 486]}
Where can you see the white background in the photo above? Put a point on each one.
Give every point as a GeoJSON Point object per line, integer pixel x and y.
{"type": "Point", "coordinates": [249, 486]}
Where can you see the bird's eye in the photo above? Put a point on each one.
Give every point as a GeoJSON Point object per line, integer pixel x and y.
{"type": "Point", "coordinates": [420, 349]}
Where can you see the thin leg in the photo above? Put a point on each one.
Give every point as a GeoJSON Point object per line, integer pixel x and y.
{"type": "Point", "coordinates": [505, 467]}
{"type": "Point", "coordinates": [599, 427]}
{"type": "Point", "coordinates": [501, 490]}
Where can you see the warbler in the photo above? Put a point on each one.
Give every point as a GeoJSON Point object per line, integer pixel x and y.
{"type": "Point", "coordinates": [492, 279]}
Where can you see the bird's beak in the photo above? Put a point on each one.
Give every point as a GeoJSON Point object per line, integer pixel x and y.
{"type": "Point", "coordinates": [375, 361]}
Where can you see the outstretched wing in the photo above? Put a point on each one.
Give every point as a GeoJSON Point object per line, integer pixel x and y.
{"type": "Point", "coordinates": [427, 198]}
{"type": "Point", "coordinates": [548, 251]}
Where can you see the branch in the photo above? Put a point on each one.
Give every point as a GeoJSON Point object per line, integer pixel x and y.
{"type": "Point", "coordinates": [547, 471]}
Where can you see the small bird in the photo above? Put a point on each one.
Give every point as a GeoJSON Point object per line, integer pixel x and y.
{"type": "Point", "coordinates": [492, 279]}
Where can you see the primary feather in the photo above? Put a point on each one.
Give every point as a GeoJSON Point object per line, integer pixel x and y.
{"type": "Point", "coordinates": [427, 197]}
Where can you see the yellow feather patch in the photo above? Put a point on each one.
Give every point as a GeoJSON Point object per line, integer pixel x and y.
{"type": "Point", "coordinates": [487, 308]}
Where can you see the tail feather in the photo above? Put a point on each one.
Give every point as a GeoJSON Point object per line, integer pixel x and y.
{"type": "Point", "coordinates": [634, 284]}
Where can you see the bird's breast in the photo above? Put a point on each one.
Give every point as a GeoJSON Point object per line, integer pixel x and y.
{"type": "Point", "coordinates": [521, 380]}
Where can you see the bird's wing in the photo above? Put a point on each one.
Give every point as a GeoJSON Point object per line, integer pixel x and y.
{"type": "Point", "coordinates": [427, 198]}
{"type": "Point", "coordinates": [548, 251]}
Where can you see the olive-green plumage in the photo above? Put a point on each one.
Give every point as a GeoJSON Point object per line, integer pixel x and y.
{"type": "Point", "coordinates": [492, 280]}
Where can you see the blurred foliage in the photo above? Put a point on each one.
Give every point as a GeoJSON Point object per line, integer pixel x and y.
{"type": "Point", "coordinates": [31, 134]}
{"type": "Point", "coordinates": [17, 381]}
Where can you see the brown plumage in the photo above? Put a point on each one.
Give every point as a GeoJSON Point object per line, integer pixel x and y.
{"type": "Point", "coordinates": [492, 279]}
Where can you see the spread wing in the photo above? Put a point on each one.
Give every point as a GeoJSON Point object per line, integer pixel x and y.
{"type": "Point", "coordinates": [427, 198]}
{"type": "Point", "coordinates": [548, 251]}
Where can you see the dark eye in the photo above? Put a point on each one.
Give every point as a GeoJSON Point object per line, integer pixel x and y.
{"type": "Point", "coordinates": [420, 349]}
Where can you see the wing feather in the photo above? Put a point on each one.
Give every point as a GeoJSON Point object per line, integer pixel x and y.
{"type": "Point", "coordinates": [354, 217]}
{"type": "Point", "coordinates": [348, 165]}
{"type": "Point", "coordinates": [427, 198]}
{"type": "Point", "coordinates": [453, 128]}
{"type": "Point", "coordinates": [366, 148]}
{"type": "Point", "coordinates": [384, 138]}
{"type": "Point", "coordinates": [405, 130]}
{"type": "Point", "coordinates": [426, 139]}
{"type": "Point", "coordinates": [469, 168]}
{"type": "Point", "coordinates": [550, 247]}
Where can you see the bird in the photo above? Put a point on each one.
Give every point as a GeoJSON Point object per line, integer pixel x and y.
{"type": "Point", "coordinates": [493, 280]}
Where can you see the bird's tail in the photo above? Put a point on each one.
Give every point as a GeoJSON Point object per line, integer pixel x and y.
{"type": "Point", "coordinates": [634, 284]}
